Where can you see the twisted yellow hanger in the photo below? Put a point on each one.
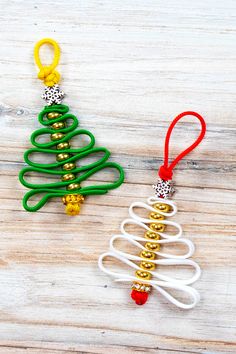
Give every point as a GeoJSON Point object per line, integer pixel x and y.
{"type": "Point", "coordinates": [47, 73]}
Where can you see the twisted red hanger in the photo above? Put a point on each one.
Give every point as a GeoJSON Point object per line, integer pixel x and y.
{"type": "Point", "coordinates": [165, 171]}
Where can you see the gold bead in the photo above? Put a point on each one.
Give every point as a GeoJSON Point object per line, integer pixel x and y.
{"type": "Point", "coordinates": [73, 198]}
{"type": "Point", "coordinates": [147, 254]}
{"type": "Point", "coordinates": [147, 265]}
{"type": "Point", "coordinates": [157, 227]}
{"type": "Point", "coordinates": [62, 156]}
{"type": "Point", "coordinates": [53, 115]}
{"type": "Point", "coordinates": [72, 203]}
{"type": "Point", "coordinates": [63, 146]}
{"type": "Point", "coordinates": [141, 287]}
{"type": "Point", "coordinates": [73, 186]}
{"type": "Point", "coordinates": [152, 235]}
{"type": "Point", "coordinates": [68, 177]}
{"type": "Point", "coordinates": [143, 275]}
{"type": "Point", "coordinates": [163, 207]}
{"type": "Point", "coordinates": [58, 125]}
{"type": "Point", "coordinates": [152, 246]}
{"type": "Point", "coordinates": [57, 136]}
{"type": "Point", "coordinates": [72, 209]}
{"type": "Point", "coordinates": [69, 166]}
{"type": "Point", "coordinates": [156, 216]}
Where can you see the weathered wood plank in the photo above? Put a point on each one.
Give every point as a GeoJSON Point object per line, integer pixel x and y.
{"type": "Point", "coordinates": [128, 68]}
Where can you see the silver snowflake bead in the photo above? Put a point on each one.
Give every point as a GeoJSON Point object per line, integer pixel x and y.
{"type": "Point", "coordinates": [53, 95]}
{"type": "Point", "coordinates": [163, 189]}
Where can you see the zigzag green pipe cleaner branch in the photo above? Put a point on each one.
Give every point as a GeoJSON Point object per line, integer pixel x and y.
{"type": "Point", "coordinates": [61, 126]}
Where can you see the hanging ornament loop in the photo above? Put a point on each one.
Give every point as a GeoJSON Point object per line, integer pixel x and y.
{"type": "Point", "coordinates": [166, 171]}
{"type": "Point", "coordinates": [47, 73]}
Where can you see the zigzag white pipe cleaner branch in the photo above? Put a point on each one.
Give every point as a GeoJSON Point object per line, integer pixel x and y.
{"type": "Point", "coordinates": [150, 256]}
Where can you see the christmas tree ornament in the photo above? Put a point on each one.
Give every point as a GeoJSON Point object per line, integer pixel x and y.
{"type": "Point", "coordinates": [66, 162]}
{"type": "Point", "coordinates": [156, 233]}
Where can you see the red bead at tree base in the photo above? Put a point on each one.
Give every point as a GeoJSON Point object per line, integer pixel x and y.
{"type": "Point", "coordinates": [139, 297]}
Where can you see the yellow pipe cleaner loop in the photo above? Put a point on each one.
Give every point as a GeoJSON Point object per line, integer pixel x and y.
{"type": "Point", "coordinates": [48, 74]}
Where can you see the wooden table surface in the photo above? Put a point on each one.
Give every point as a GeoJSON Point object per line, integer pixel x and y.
{"type": "Point", "coordinates": [128, 67]}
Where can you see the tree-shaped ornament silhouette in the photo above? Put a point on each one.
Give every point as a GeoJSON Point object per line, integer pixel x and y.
{"type": "Point", "coordinates": [157, 230]}
{"type": "Point", "coordinates": [60, 127]}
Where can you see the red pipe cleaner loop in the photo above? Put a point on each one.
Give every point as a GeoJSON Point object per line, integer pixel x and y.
{"type": "Point", "coordinates": [165, 171]}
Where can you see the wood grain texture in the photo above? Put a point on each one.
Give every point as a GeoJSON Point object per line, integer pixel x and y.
{"type": "Point", "coordinates": [128, 68]}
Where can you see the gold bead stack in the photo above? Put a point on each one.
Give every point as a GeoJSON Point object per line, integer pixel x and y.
{"type": "Point", "coordinates": [148, 254]}
{"type": "Point", "coordinates": [68, 166]}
